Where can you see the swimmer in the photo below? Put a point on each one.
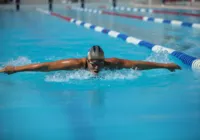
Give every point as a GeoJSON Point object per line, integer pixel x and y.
{"type": "Point", "coordinates": [94, 62]}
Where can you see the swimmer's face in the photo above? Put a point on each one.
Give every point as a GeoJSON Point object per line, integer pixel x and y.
{"type": "Point", "coordinates": [95, 65]}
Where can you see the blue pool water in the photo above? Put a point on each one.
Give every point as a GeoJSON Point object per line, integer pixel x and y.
{"type": "Point", "coordinates": [182, 39]}
{"type": "Point", "coordinates": [124, 104]}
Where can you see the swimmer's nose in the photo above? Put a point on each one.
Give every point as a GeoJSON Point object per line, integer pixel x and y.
{"type": "Point", "coordinates": [96, 67]}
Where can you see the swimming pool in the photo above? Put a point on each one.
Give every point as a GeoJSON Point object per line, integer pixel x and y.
{"type": "Point", "coordinates": [182, 39]}
{"type": "Point", "coordinates": [125, 104]}
{"type": "Point", "coordinates": [162, 14]}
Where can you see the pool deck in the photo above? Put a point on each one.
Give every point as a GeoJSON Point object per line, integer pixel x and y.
{"type": "Point", "coordinates": [194, 6]}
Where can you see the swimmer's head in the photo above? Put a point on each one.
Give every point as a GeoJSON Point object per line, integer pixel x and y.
{"type": "Point", "coordinates": [96, 52]}
{"type": "Point", "coordinates": [95, 59]}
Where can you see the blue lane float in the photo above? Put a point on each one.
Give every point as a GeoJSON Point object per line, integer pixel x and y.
{"type": "Point", "coordinates": [145, 10]}
{"type": "Point", "coordinates": [143, 18]}
{"type": "Point", "coordinates": [192, 62]}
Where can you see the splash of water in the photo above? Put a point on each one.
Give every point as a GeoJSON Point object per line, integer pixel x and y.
{"type": "Point", "coordinates": [66, 76]}
{"type": "Point", "coordinates": [84, 75]}
{"type": "Point", "coordinates": [161, 57]}
{"type": "Point", "coordinates": [125, 74]}
{"type": "Point", "coordinates": [21, 60]}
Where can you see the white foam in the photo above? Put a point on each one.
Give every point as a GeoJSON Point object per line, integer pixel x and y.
{"type": "Point", "coordinates": [125, 74]}
{"type": "Point", "coordinates": [161, 57]}
{"type": "Point", "coordinates": [21, 60]}
{"type": "Point", "coordinates": [66, 76]}
{"type": "Point", "coordinates": [85, 75]}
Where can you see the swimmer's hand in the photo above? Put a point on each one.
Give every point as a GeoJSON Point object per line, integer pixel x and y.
{"type": "Point", "coordinates": [8, 70]}
{"type": "Point", "coordinates": [172, 67]}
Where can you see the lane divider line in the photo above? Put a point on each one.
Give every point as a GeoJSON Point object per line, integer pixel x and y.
{"type": "Point", "coordinates": [144, 18]}
{"type": "Point", "coordinates": [144, 10]}
{"type": "Point", "coordinates": [190, 61]}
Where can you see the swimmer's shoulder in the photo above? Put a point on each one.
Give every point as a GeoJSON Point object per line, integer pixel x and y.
{"type": "Point", "coordinates": [112, 60]}
{"type": "Point", "coordinates": [80, 62]}
{"type": "Point", "coordinates": [83, 61]}
{"type": "Point", "coordinates": [116, 63]}
{"type": "Point", "coordinates": [111, 63]}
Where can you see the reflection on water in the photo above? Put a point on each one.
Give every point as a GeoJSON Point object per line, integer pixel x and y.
{"type": "Point", "coordinates": [170, 39]}
{"type": "Point", "coordinates": [79, 122]}
{"type": "Point", "coordinates": [178, 43]}
{"type": "Point", "coordinates": [97, 98]}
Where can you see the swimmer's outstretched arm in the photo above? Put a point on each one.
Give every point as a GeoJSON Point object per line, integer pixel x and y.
{"type": "Point", "coordinates": [68, 64]}
{"type": "Point", "coordinates": [141, 65]}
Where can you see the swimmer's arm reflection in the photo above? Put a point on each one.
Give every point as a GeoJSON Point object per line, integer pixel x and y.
{"type": "Point", "coordinates": [68, 64]}
{"type": "Point", "coordinates": [115, 63]}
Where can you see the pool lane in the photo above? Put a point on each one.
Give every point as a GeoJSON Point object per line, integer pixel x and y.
{"type": "Point", "coordinates": [165, 14]}
{"type": "Point", "coordinates": [188, 60]}
{"type": "Point", "coordinates": [178, 38]}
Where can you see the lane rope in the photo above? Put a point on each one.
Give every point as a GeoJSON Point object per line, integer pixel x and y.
{"type": "Point", "coordinates": [188, 60]}
{"type": "Point", "coordinates": [144, 10]}
{"type": "Point", "coordinates": [144, 18]}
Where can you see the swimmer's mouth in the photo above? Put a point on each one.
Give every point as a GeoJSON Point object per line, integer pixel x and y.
{"type": "Point", "coordinates": [95, 71]}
